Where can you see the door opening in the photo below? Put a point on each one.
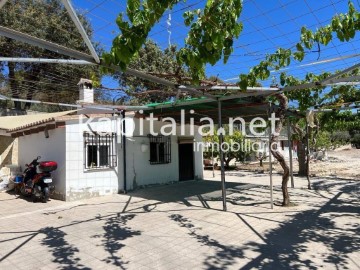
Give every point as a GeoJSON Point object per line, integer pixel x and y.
{"type": "Point", "coordinates": [186, 162]}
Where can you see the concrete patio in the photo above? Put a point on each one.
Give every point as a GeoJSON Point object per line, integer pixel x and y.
{"type": "Point", "coordinates": [181, 226]}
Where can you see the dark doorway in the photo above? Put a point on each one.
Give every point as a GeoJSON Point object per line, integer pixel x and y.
{"type": "Point", "coordinates": [186, 161]}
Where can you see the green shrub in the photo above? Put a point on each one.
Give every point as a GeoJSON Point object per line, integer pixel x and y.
{"type": "Point", "coordinates": [339, 138]}
{"type": "Point", "coordinates": [356, 140]}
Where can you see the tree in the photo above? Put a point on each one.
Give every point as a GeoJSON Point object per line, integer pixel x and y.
{"type": "Point", "coordinates": [323, 141]}
{"type": "Point", "coordinates": [48, 20]}
{"type": "Point", "coordinates": [212, 31]}
{"type": "Point", "coordinates": [261, 157]}
{"type": "Point", "coordinates": [313, 98]}
{"type": "Point", "coordinates": [343, 126]}
{"type": "Point", "coordinates": [326, 141]}
{"type": "Point", "coordinates": [210, 37]}
{"type": "Point", "coordinates": [280, 114]}
{"type": "Point", "coordinates": [342, 123]}
{"type": "Point", "coordinates": [235, 146]}
{"type": "Point", "coordinates": [356, 140]}
{"type": "Point", "coordinates": [342, 26]}
{"type": "Point", "coordinates": [151, 59]}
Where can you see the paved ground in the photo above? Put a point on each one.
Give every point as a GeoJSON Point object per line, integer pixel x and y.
{"type": "Point", "coordinates": [182, 226]}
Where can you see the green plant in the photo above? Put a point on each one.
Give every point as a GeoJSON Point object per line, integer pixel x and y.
{"type": "Point", "coordinates": [210, 37]}
{"type": "Point", "coordinates": [356, 140]}
{"type": "Point", "coordinates": [342, 26]}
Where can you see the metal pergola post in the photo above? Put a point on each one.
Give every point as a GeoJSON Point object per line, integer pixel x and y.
{"type": "Point", "coordinates": [290, 153]}
{"type": "Point", "coordinates": [270, 167]}
{"type": "Point", "coordinates": [124, 148]}
{"type": "Point", "coordinates": [221, 140]}
{"type": "Point", "coordinates": [212, 160]}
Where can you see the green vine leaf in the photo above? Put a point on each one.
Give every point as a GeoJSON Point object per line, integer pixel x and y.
{"type": "Point", "coordinates": [210, 38]}
{"type": "Point", "coordinates": [142, 16]}
{"type": "Point", "coordinates": [211, 35]}
{"type": "Point", "coordinates": [343, 26]}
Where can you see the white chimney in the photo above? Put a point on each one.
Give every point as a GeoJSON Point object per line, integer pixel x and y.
{"type": "Point", "coordinates": [86, 91]}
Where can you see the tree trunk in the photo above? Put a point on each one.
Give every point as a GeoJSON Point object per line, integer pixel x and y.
{"type": "Point", "coordinates": [308, 130]}
{"type": "Point", "coordinates": [32, 84]}
{"type": "Point", "coordinates": [304, 152]}
{"type": "Point", "coordinates": [13, 85]}
{"type": "Point", "coordinates": [227, 162]}
{"type": "Point", "coordinates": [285, 177]}
{"type": "Point", "coordinates": [301, 154]}
{"type": "Point", "coordinates": [308, 170]}
{"type": "Point", "coordinates": [280, 113]}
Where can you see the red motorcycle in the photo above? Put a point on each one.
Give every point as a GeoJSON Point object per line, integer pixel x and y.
{"type": "Point", "coordinates": [38, 185]}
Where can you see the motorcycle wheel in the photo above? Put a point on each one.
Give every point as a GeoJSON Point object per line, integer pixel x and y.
{"type": "Point", "coordinates": [33, 198]}
{"type": "Point", "coordinates": [46, 195]}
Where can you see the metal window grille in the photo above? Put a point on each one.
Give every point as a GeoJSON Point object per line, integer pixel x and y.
{"type": "Point", "coordinates": [160, 149]}
{"type": "Point", "coordinates": [99, 151]}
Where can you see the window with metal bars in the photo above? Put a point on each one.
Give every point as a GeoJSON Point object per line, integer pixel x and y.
{"type": "Point", "coordinates": [160, 149]}
{"type": "Point", "coordinates": [99, 151]}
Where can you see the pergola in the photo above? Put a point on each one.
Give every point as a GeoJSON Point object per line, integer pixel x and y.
{"type": "Point", "coordinates": [247, 106]}
{"type": "Point", "coordinates": [217, 102]}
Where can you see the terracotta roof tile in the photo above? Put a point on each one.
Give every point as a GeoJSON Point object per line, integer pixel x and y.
{"type": "Point", "coordinates": [12, 123]}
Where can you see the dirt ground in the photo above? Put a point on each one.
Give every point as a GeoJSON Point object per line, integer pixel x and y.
{"type": "Point", "coordinates": [343, 162]}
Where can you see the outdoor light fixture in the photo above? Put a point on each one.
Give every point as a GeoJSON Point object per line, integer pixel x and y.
{"type": "Point", "coordinates": [144, 147]}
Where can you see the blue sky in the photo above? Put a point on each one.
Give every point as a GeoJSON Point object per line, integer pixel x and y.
{"type": "Point", "coordinates": [267, 25]}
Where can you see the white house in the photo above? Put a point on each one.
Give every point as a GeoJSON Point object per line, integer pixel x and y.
{"type": "Point", "coordinates": [92, 153]}
{"type": "Point", "coordinates": [263, 144]}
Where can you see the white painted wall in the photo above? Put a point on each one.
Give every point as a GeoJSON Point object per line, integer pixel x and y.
{"type": "Point", "coordinates": [72, 181]}
{"type": "Point", "coordinates": [81, 183]}
{"type": "Point", "coordinates": [52, 148]}
{"type": "Point", "coordinates": [198, 157]}
{"type": "Point", "coordinates": [139, 170]}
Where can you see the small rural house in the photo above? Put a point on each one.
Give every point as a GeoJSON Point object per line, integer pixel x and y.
{"type": "Point", "coordinates": [91, 153]}
{"type": "Point", "coordinates": [96, 157]}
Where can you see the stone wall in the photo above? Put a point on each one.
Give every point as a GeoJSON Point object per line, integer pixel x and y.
{"type": "Point", "coordinates": [8, 145]}
{"type": "Point", "coordinates": [8, 153]}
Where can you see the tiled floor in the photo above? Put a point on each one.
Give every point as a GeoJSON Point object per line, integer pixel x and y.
{"type": "Point", "coordinates": [181, 226]}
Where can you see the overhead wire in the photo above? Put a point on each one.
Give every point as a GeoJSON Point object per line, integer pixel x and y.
{"type": "Point", "coordinates": [63, 77]}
